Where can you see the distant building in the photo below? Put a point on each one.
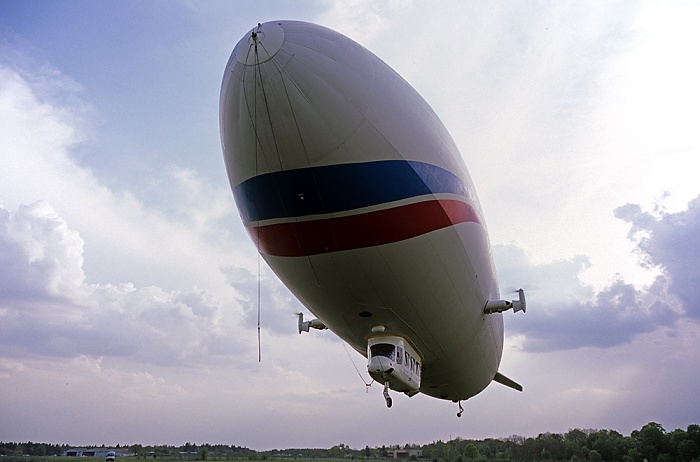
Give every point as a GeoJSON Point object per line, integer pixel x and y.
{"type": "Point", "coordinates": [93, 452]}
{"type": "Point", "coordinates": [404, 453]}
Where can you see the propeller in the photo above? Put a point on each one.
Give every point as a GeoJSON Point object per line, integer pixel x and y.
{"type": "Point", "coordinates": [516, 289]}
{"type": "Point", "coordinates": [520, 304]}
{"type": "Point", "coordinates": [300, 323]}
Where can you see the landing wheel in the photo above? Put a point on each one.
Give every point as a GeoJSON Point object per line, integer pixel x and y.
{"type": "Point", "coordinates": [386, 395]}
{"type": "Point", "coordinates": [461, 409]}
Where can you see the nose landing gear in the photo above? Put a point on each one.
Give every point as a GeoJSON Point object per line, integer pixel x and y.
{"type": "Point", "coordinates": [387, 398]}
{"type": "Point", "coordinates": [461, 409]}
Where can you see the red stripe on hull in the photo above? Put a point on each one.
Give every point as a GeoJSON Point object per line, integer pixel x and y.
{"type": "Point", "coordinates": [298, 239]}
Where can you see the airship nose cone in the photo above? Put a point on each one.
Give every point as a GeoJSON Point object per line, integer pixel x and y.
{"type": "Point", "coordinates": [260, 44]}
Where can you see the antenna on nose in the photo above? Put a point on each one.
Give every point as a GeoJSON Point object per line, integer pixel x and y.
{"type": "Point", "coordinates": [254, 33]}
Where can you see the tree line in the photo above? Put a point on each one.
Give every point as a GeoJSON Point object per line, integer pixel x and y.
{"type": "Point", "coordinates": [651, 443]}
{"type": "Point", "coordinates": [186, 451]}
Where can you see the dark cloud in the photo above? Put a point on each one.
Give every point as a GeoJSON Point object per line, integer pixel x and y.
{"type": "Point", "coordinates": [614, 316]}
{"type": "Point", "coordinates": [671, 242]}
{"type": "Point", "coordinates": [564, 313]}
{"type": "Point", "coordinates": [47, 309]}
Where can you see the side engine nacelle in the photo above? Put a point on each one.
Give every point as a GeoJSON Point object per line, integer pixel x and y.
{"type": "Point", "coordinates": [305, 325]}
{"type": "Point", "coordinates": [499, 306]}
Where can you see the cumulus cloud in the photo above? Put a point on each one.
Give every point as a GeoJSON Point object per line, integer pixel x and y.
{"type": "Point", "coordinates": [39, 254]}
{"type": "Point", "coordinates": [47, 309]}
{"type": "Point", "coordinates": [88, 270]}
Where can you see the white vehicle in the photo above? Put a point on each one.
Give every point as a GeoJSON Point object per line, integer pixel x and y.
{"type": "Point", "coordinates": [110, 456]}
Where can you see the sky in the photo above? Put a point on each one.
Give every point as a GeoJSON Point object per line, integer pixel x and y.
{"type": "Point", "coordinates": [128, 286]}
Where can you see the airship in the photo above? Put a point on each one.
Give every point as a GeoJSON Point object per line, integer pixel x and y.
{"type": "Point", "coordinates": [359, 200]}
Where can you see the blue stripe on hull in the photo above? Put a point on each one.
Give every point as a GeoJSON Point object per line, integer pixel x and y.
{"type": "Point", "coordinates": [341, 187]}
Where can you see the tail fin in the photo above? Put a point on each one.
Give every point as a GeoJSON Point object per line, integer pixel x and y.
{"type": "Point", "coordinates": [502, 379]}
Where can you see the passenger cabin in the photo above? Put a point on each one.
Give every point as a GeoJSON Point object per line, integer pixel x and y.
{"type": "Point", "coordinates": [392, 359]}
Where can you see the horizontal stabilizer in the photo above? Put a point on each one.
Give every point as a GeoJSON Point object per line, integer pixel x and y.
{"type": "Point", "coordinates": [503, 380]}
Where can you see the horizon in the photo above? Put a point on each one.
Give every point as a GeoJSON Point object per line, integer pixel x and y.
{"type": "Point", "coordinates": [392, 445]}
